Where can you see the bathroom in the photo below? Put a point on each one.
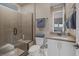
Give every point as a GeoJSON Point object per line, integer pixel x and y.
{"type": "Point", "coordinates": [38, 29]}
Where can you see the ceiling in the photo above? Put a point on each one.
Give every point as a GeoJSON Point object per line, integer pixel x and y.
{"type": "Point", "coordinates": [51, 4]}
{"type": "Point", "coordinates": [22, 4]}
{"type": "Point", "coordinates": [55, 4]}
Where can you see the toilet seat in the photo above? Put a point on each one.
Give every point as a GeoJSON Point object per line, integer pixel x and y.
{"type": "Point", "coordinates": [34, 50]}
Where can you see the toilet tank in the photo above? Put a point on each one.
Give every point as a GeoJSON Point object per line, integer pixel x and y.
{"type": "Point", "coordinates": [39, 41]}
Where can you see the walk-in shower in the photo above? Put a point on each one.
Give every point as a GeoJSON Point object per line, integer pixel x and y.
{"type": "Point", "coordinates": [16, 31]}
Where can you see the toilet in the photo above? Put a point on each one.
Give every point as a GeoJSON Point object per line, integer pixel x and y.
{"type": "Point", "coordinates": [35, 49]}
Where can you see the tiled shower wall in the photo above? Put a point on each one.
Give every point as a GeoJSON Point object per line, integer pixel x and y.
{"type": "Point", "coordinates": [10, 19]}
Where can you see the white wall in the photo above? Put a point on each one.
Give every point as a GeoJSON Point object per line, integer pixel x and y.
{"type": "Point", "coordinates": [77, 24]}
{"type": "Point", "coordinates": [43, 11]}
{"type": "Point", "coordinates": [68, 9]}
{"type": "Point", "coordinates": [77, 27]}
{"type": "Point", "coordinates": [28, 8]}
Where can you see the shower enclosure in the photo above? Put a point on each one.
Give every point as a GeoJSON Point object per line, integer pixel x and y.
{"type": "Point", "coordinates": [16, 32]}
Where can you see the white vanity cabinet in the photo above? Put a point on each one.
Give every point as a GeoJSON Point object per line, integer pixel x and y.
{"type": "Point", "coordinates": [60, 48]}
{"type": "Point", "coordinates": [67, 49]}
{"type": "Point", "coordinates": [52, 47]}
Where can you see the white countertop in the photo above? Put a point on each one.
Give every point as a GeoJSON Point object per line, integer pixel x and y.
{"type": "Point", "coordinates": [64, 38]}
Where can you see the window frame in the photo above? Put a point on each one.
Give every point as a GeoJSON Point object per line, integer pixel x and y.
{"type": "Point", "coordinates": [53, 18]}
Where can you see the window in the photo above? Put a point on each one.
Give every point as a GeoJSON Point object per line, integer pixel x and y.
{"type": "Point", "coordinates": [58, 20]}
